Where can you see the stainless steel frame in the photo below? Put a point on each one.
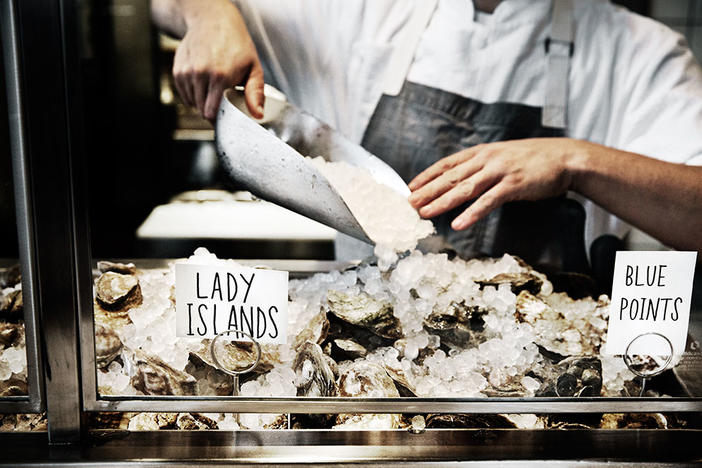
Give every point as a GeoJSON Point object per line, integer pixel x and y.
{"type": "Point", "coordinates": [439, 447]}
{"type": "Point", "coordinates": [34, 402]}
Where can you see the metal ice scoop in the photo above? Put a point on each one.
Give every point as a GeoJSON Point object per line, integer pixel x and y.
{"type": "Point", "coordinates": [266, 157]}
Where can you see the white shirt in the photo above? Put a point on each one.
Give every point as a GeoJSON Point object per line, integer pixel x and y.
{"type": "Point", "coordinates": [634, 85]}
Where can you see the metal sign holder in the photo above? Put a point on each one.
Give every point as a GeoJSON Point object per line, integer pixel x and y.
{"type": "Point", "coordinates": [646, 375]}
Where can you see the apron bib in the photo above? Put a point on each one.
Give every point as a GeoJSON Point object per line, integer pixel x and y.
{"type": "Point", "coordinates": [413, 126]}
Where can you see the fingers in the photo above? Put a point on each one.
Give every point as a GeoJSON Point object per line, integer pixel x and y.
{"type": "Point", "coordinates": [498, 195]}
{"type": "Point", "coordinates": [253, 90]}
{"type": "Point", "coordinates": [466, 190]}
{"type": "Point", "coordinates": [214, 96]}
{"type": "Point", "coordinates": [200, 85]}
{"type": "Point", "coordinates": [442, 166]}
{"type": "Point", "coordinates": [182, 83]}
{"type": "Point", "coordinates": [443, 183]}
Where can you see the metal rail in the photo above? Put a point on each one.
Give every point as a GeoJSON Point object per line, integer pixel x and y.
{"type": "Point", "coordinates": [34, 402]}
{"type": "Point", "coordinates": [434, 447]}
{"type": "Point", "coordinates": [390, 405]}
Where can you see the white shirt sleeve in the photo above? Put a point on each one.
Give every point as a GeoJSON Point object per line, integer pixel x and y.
{"type": "Point", "coordinates": [657, 108]}
{"type": "Point", "coordinates": [327, 56]}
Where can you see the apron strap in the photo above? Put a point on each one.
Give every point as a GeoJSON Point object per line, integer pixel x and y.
{"type": "Point", "coordinates": [559, 50]}
{"type": "Point", "coordinates": [401, 59]}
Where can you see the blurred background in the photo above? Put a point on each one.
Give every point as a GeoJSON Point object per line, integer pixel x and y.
{"type": "Point", "coordinates": [157, 190]}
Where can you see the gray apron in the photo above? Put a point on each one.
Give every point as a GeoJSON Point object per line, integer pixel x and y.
{"type": "Point", "coordinates": [435, 124]}
{"type": "Point", "coordinates": [420, 125]}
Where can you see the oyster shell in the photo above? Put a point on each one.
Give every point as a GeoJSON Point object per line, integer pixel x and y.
{"type": "Point", "coordinates": [13, 387]}
{"type": "Point", "coordinates": [346, 349]}
{"type": "Point", "coordinates": [12, 306]}
{"type": "Point", "coordinates": [237, 355]}
{"type": "Point", "coordinates": [364, 311]}
{"type": "Point", "coordinates": [23, 422]}
{"type": "Point", "coordinates": [530, 308]}
{"type": "Point", "coordinates": [315, 331]}
{"type": "Point", "coordinates": [402, 382]}
{"type": "Point", "coordinates": [152, 376]}
{"type": "Point", "coordinates": [116, 291]}
{"type": "Point", "coordinates": [341, 329]}
{"type": "Point", "coordinates": [572, 377]}
{"type": "Point", "coordinates": [107, 345]}
{"type": "Point", "coordinates": [10, 276]}
{"type": "Point", "coordinates": [194, 422]}
{"type": "Point", "coordinates": [367, 380]}
{"type": "Point", "coordinates": [10, 333]}
{"type": "Point", "coordinates": [313, 374]}
{"type": "Point", "coordinates": [634, 421]}
{"type": "Point", "coordinates": [152, 421]}
{"type": "Point", "coordinates": [477, 421]}
{"type": "Point", "coordinates": [459, 325]}
{"type": "Point", "coordinates": [109, 420]}
{"type": "Point", "coordinates": [123, 268]}
{"type": "Point", "coordinates": [525, 281]}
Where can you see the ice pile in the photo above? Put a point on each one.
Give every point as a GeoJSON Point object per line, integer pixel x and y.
{"type": "Point", "coordinates": [13, 361]}
{"type": "Point", "coordinates": [385, 215]}
{"type": "Point", "coordinates": [498, 362]}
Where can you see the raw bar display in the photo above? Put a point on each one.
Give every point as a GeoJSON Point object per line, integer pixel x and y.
{"type": "Point", "coordinates": [430, 326]}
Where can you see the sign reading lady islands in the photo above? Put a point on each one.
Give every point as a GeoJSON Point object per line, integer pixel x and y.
{"type": "Point", "coordinates": [211, 299]}
{"type": "Point", "coordinates": [651, 295]}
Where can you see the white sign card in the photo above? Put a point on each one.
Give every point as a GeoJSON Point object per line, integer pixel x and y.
{"type": "Point", "coordinates": [651, 293]}
{"type": "Point", "coordinates": [212, 298]}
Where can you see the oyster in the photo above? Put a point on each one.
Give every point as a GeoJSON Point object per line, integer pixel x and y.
{"type": "Point", "coordinates": [12, 306]}
{"type": "Point", "coordinates": [477, 421]}
{"type": "Point", "coordinates": [346, 349]}
{"type": "Point", "coordinates": [367, 380]}
{"type": "Point", "coordinates": [530, 309]}
{"type": "Point", "coordinates": [10, 277]}
{"type": "Point", "coordinates": [153, 421]}
{"type": "Point", "coordinates": [123, 268]}
{"type": "Point", "coordinates": [109, 420]}
{"type": "Point", "coordinates": [459, 325]}
{"type": "Point", "coordinates": [23, 422]}
{"type": "Point", "coordinates": [402, 382]}
{"type": "Point", "coordinates": [10, 333]}
{"type": "Point", "coordinates": [366, 312]}
{"type": "Point", "coordinates": [342, 330]}
{"type": "Point", "coordinates": [634, 421]}
{"type": "Point", "coordinates": [313, 374]}
{"type": "Point", "coordinates": [574, 376]}
{"type": "Point", "coordinates": [152, 376]}
{"type": "Point", "coordinates": [13, 387]}
{"type": "Point", "coordinates": [315, 331]}
{"type": "Point", "coordinates": [237, 355]}
{"type": "Point", "coordinates": [194, 421]}
{"type": "Point", "coordinates": [526, 281]}
{"type": "Point", "coordinates": [116, 291]}
{"type": "Point", "coordinates": [107, 345]}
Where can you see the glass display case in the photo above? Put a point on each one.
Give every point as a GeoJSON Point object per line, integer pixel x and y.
{"type": "Point", "coordinates": [432, 359]}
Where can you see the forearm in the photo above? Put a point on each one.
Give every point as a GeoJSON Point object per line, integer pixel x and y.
{"type": "Point", "coordinates": [175, 16]}
{"type": "Point", "coordinates": [660, 198]}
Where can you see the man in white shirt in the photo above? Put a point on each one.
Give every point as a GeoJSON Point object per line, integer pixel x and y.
{"type": "Point", "coordinates": [632, 134]}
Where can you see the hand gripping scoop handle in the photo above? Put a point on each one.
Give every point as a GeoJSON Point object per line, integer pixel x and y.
{"type": "Point", "coordinates": [265, 157]}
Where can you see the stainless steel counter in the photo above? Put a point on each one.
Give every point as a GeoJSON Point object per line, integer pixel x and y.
{"type": "Point", "coordinates": [294, 448]}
